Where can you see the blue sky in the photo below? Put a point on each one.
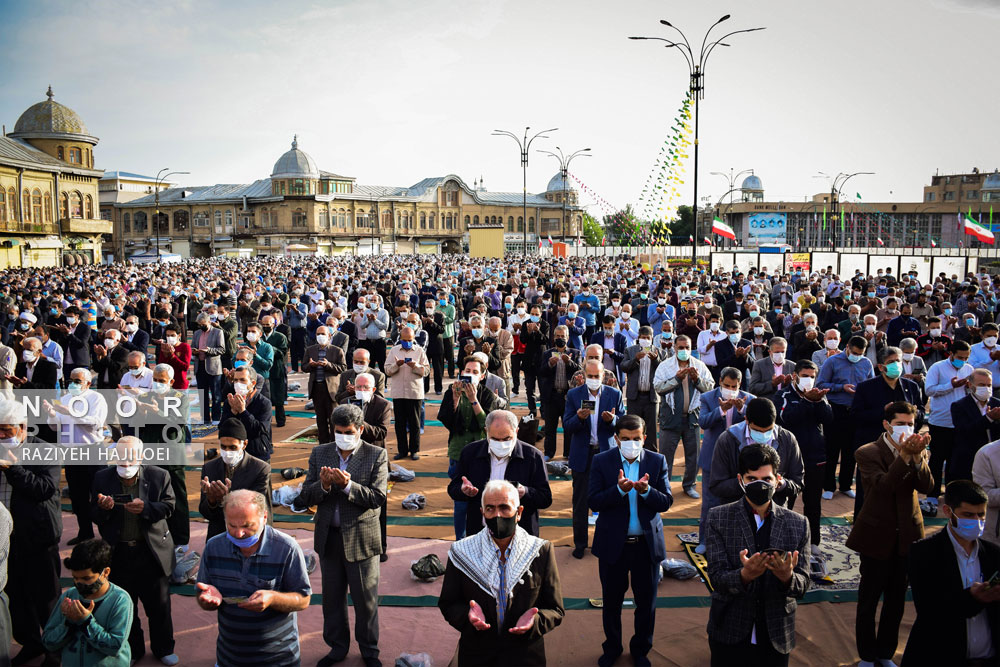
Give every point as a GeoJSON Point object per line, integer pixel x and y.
{"type": "Point", "coordinates": [394, 91]}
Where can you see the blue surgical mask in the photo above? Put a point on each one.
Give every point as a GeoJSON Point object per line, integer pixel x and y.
{"type": "Point", "coordinates": [761, 438]}
{"type": "Point", "coordinates": [406, 344]}
{"type": "Point", "coordinates": [534, 318]}
{"type": "Point", "coordinates": [239, 363]}
{"type": "Point", "coordinates": [683, 355]}
{"type": "Point", "coordinates": [854, 358]}
{"type": "Point", "coordinates": [477, 333]}
{"type": "Point", "coordinates": [893, 370]}
{"type": "Point", "coordinates": [968, 529]}
{"type": "Point", "coordinates": [75, 388]}
{"type": "Point", "coordinates": [958, 363]}
{"type": "Point", "coordinates": [442, 302]}
{"type": "Point", "coordinates": [969, 322]}
{"type": "Point", "coordinates": [734, 338]}
{"type": "Point", "coordinates": [246, 542]}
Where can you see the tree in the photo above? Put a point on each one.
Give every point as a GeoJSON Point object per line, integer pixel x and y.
{"type": "Point", "coordinates": [625, 228]}
{"type": "Point", "coordinates": [593, 234]}
{"type": "Point", "coordinates": [682, 227]}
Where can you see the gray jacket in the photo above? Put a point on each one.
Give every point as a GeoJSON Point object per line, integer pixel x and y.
{"type": "Point", "coordinates": [632, 368]}
{"type": "Point", "coordinates": [214, 344]}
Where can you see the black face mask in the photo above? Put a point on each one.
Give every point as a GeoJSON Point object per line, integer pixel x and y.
{"type": "Point", "coordinates": [89, 589]}
{"type": "Point", "coordinates": [268, 330]}
{"type": "Point", "coordinates": [560, 342]}
{"type": "Point", "coordinates": [502, 527]}
{"type": "Point", "coordinates": [759, 492]}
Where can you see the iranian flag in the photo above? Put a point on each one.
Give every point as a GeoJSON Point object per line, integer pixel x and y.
{"type": "Point", "coordinates": [722, 229]}
{"type": "Point", "coordinates": [707, 240]}
{"type": "Point", "coordinates": [880, 241]}
{"type": "Point", "coordinates": [975, 229]}
{"type": "Point", "coordinates": [691, 238]}
{"type": "Point", "coordinates": [933, 243]}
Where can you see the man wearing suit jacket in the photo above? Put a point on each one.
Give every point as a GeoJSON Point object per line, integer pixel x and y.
{"type": "Point", "coordinates": [143, 547]}
{"type": "Point", "coordinates": [33, 565]}
{"type": "Point", "coordinates": [977, 422]}
{"type": "Point", "coordinates": [556, 367]}
{"type": "Point", "coordinates": [207, 346]}
{"type": "Point", "coordinates": [325, 362]}
{"type": "Point", "coordinates": [769, 376]}
{"type": "Point", "coordinates": [629, 488]}
{"type": "Point", "coordinates": [721, 409]}
{"type": "Point", "coordinates": [34, 371]}
{"type": "Point", "coordinates": [893, 469]}
{"type": "Point", "coordinates": [247, 404]}
{"type": "Point", "coordinates": [752, 619]}
{"type": "Point", "coordinates": [134, 339]}
{"type": "Point", "coordinates": [345, 383]}
{"type": "Point", "coordinates": [760, 427]}
{"type": "Point", "coordinates": [590, 431]}
{"type": "Point", "coordinates": [110, 360]}
{"type": "Point", "coordinates": [74, 337]}
{"type": "Point", "coordinates": [735, 351]}
{"type": "Point", "coordinates": [501, 456]}
{"type": "Point", "coordinates": [613, 345]}
{"type": "Point", "coordinates": [377, 413]}
{"type": "Point", "coordinates": [233, 469]}
{"type": "Point", "coordinates": [347, 482]}
{"type": "Point", "coordinates": [958, 612]}
{"type": "Point", "coordinates": [640, 364]}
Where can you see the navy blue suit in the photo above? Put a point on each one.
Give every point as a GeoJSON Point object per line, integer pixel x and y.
{"type": "Point", "coordinates": [577, 327]}
{"type": "Point", "coordinates": [617, 354]}
{"type": "Point", "coordinates": [713, 424]}
{"type": "Point", "coordinates": [580, 451]}
{"type": "Point", "coordinates": [620, 560]}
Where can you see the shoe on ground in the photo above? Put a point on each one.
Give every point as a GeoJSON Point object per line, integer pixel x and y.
{"type": "Point", "coordinates": [827, 495]}
{"type": "Point", "coordinates": [692, 493]}
{"type": "Point", "coordinates": [331, 659]}
{"type": "Point", "coordinates": [398, 457]}
{"type": "Point", "coordinates": [170, 660]}
{"type": "Point", "coordinates": [309, 406]}
{"type": "Point", "coordinates": [578, 552]}
{"type": "Point", "coordinates": [641, 661]}
{"type": "Point", "coordinates": [607, 660]}
{"type": "Point", "coordinates": [414, 457]}
{"type": "Point", "coordinates": [383, 558]}
{"type": "Point", "coordinates": [700, 549]}
{"type": "Point", "coordinates": [850, 493]}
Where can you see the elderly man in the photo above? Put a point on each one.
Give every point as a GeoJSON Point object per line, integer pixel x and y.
{"type": "Point", "coordinates": [32, 494]}
{"type": "Point", "coordinates": [681, 380]}
{"type": "Point", "coordinates": [232, 470]}
{"type": "Point", "coordinates": [247, 404]}
{"type": "Point", "coordinates": [591, 413]}
{"type": "Point", "coordinates": [499, 344]}
{"type": "Point", "coordinates": [347, 482]}
{"type": "Point", "coordinates": [595, 352]}
{"type": "Point", "coordinates": [134, 338]}
{"type": "Point", "coordinates": [33, 370]}
{"type": "Point", "coordinates": [406, 363]}
{"type": "Point", "coordinates": [73, 431]}
{"type": "Point", "coordinates": [501, 456]}
{"type": "Point", "coordinates": [207, 347]}
{"type": "Point", "coordinates": [640, 364]}
{"type": "Point", "coordinates": [110, 360]}
{"type": "Point", "coordinates": [913, 366]}
{"type": "Point", "coordinates": [325, 362]}
{"type": "Point", "coordinates": [772, 373]}
{"type": "Point", "coordinates": [257, 624]}
{"type": "Point", "coordinates": [131, 505]}
{"type": "Point", "coordinates": [831, 347]}
{"type": "Point", "coordinates": [556, 366]}
{"type": "Point", "coordinates": [377, 413]}
{"type": "Point", "coordinates": [504, 622]}
{"type": "Point", "coordinates": [139, 378]}
{"type": "Point", "coordinates": [360, 359]}
{"type": "Point", "coordinates": [852, 326]}
{"type": "Point", "coordinates": [977, 422]}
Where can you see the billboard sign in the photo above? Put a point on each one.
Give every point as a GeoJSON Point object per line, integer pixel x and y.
{"type": "Point", "coordinates": [797, 260]}
{"type": "Point", "coordinates": [768, 228]}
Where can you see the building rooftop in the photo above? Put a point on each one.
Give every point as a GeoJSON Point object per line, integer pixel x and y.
{"type": "Point", "coordinates": [51, 118]}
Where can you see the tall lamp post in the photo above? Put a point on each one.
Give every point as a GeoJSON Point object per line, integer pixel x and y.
{"type": "Point", "coordinates": [564, 170]}
{"type": "Point", "coordinates": [160, 178]}
{"type": "Point", "coordinates": [696, 70]}
{"type": "Point", "coordinates": [836, 188]}
{"type": "Point", "coordinates": [731, 179]}
{"type": "Point", "coordinates": [524, 145]}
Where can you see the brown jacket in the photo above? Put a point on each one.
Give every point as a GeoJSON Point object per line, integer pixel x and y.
{"type": "Point", "coordinates": [890, 519]}
{"type": "Point", "coordinates": [337, 359]}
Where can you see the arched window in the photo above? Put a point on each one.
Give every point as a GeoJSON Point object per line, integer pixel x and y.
{"type": "Point", "coordinates": [90, 207]}
{"type": "Point", "coordinates": [423, 220]}
{"type": "Point", "coordinates": [475, 220]}
{"type": "Point", "coordinates": [60, 153]}
{"type": "Point", "coordinates": [36, 206]}
{"type": "Point", "coordinates": [387, 219]}
{"type": "Point", "coordinates": [520, 224]}
{"type": "Point", "coordinates": [181, 219]}
{"type": "Point", "coordinates": [431, 221]}
{"type": "Point", "coordinates": [126, 223]}
{"type": "Point", "coordinates": [229, 220]}
{"type": "Point", "coordinates": [63, 206]}
{"type": "Point", "coordinates": [75, 205]}
{"type": "Point", "coordinates": [3, 205]}
{"type": "Point", "coordinates": [218, 222]}
{"type": "Point", "coordinates": [466, 221]}
{"type": "Point", "coordinates": [510, 223]}
{"type": "Point", "coordinates": [298, 218]}
{"type": "Point", "coordinates": [531, 225]}
{"type": "Point", "coordinates": [26, 205]}
{"type": "Point", "coordinates": [74, 155]}
{"type": "Point", "coordinates": [324, 218]}
{"type": "Point", "coordinates": [11, 204]}
{"type": "Point", "coordinates": [140, 222]}
{"type": "Point", "coordinates": [48, 207]}
{"type": "Point", "coordinates": [342, 218]}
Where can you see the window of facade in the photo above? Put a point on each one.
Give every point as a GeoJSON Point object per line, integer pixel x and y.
{"type": "Point", "coordinates": [475, 220]}
{"type": "Point", "coordinates": [36, 205]}
{"type": "Point", "coordinates": [229, 221]}
{"type": "Point", "coordinates": [75, 205]}
{"type": "Point", "coordinates": [387, 219]}
{"type": "Point", "coordinates": [74, 155]}
{"type": "Point", "coordinates": [949, 196]}
{"type": "Point", "coordinates": [218, 222]}
{"type": "Point", "coordinates": [181, 219]}
{"type": "Point", "coordinates": [90, 207]}
{"type": "Point", "coordinates": [201, 219]}
{"type": "Point", "coordinates": [26, 205]}
{"type": "Point", "coordinates": [126, 223]}
{"type": "Point", "coordinates": [48, 208]}
{"type": "Point", "coordinates": [342, 218]}
{"type": "Point", "coordinates": [63, 206]}
{"type": "Point", "coordinates": [324, 218]}
{"type": "Point", "coordinates": [972, 194]}
{"type": "Point", "coordinates": [423, 220]}
{"type": "Point", "coordinates": [466, 221]}
{"type": "Point", "coordinates": [140, 222]}
{"type": "Point", "coordinates": [11, 204]}
{"type": "Point", "coordinates": [531, 224]}
{"type": "Point", "coordinates": [3, 205]}
{"type": "Point", "coordinates": [60, 153]}
{"type": "Point", "coordinates": [298, 187]}
{"type": "Point", "coordinates": [520, 224]}
{"type": "Point", "coordinates": [298, 218]}
{"type": "Point", "coordinates": [510, 223]}
{"type": "Point", "coordinates": [930, 196]}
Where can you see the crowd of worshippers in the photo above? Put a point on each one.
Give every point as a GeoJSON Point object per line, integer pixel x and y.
{"type": "Point", "coordinates": [776, 384]}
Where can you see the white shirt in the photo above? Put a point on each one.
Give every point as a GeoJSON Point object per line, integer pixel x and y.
{"type": "Point", "coordinates": [87, 429]}
{"type": "Point", "coordinates": [631, 330]}
{"type": "Point", "coordinates": [978, 638]}
{"type": "Point", "coordinates": [144, 381]}
{"type": "Point", "coordinates": [498, 467]}
{"type": "Point", "coordinates": [707, 355]}
{"type": "Point", "coordinates": [595, 414]}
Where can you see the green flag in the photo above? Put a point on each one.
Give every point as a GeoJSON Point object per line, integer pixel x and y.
{"type": "Point", "coordinates": [824, 217]}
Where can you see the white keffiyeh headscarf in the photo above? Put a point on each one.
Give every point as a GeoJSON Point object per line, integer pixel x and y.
{"type": "Point", "coordinates": [476, 557]}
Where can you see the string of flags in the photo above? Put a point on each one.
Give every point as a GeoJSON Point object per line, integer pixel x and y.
{"type": "Point", "coordinates": [656, 200]}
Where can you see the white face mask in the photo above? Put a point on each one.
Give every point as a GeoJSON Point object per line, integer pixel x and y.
{"type": "Point", "coordinates": [935, 333]}
{"type": "Point", "coordinates": [240, 388]}
{"type": "Point", "coordinates": [758, 331]}
{"type": "Point", "coordinates": [160, 387]}
{"type": "Point", "coordinates": [347, 442]}
{"type": "Point", "coordinates": [593, 384]}
{"type": "Point", "coordinates": [907, 356]}
{"type": "Point", "coordinates": [360, 368]}
{"type": "Point", "coordinates": [805, 384]}
{"type": "Point", "coordinates": [796, 311]}
{"type": "Point", "coordinates": [645, 342]}
{"type": "Point", "coordinates": [131, 328]}
{"type": "Point", "coordinates": [901, 432]}
{"type": "Point", "coordinates": [171, 340]}
{"type": "Point", "coordinates": [714, 326]}
{"type": "Point", "coordinates": [110, 343]}
{"type": "Point", "coordinates": [778, 357]}
{"type": "Point", "coordinates": [10, 443]}
{"type": "Point", "coordinates": [502, 448]}
{"type": "Point", "coordinates": [231, 458]}
{"type": "Point", "coordinates": [363, 396]}
{"type": "Point", "coordinates": [728, 394]}
{"type": "Point", "coordinates": [252, 337]}
{"type": "Point", "coordinates": [630, 448]}
{"type": "Point", "coordinates": [71, 321]}
{"type": "Point", "coordinates": [322, 339]}
{"type": "Point", "coordinates": [127, 472]}
{"type": "Point", "coordinates": [990, 341]}
{"type": "Point", "coordinates": [870, 328]}
{"type": "Point", "coordinates": [28, 356]}
{"type": "Point", "coordinates": [984, 393]}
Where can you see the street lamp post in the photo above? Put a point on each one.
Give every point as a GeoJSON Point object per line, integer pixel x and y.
{"type": "Point", "coordinates": [564, 170]}
{"type": "Point", "coordinates": [524, 145]}
{"type": "Point", "coordinates": [160, 178]}
{"type": "Point", "coordinates": [696, 70]}
{"type": "Point", "coordinates": [731, 180]}
{"type": "Point", "coordinates": [835, 192]}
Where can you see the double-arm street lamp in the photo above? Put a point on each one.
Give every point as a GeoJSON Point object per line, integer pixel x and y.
{"type": "Point", "coordinates": [564, 161]}
{"type": "Point", "coordinates": [836, 188]}
{"type": "Point", "coordinates": [524, 145]}
{"type": "Point", "coordinates": [160, 178]}
{"type": "Point", "coordinates": [696, 69]}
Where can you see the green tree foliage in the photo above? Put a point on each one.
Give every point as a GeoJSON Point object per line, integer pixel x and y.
{"type": "Point", "coordinates": [593, 233]}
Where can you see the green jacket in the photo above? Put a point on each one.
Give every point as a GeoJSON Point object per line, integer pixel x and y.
{"type": "Point", "coordinates": [101, 640]}
{"type": "Point", "coordinates": [230, 330]}
{"type": "Point", "coordinates": [279, 372]}
{"type": "Point", "coordinates": [449, 319]}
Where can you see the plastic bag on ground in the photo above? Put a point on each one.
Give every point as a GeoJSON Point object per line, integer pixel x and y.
{"type": "Point", "coordinates": [678, 569]}
{"type": "Point", "coordinates": [414, 660]}
{"type": "Point", "coordinates": [426, 569]}
{"type": "Point", "coordinates": [414, 501]}
{"type": "Point", "coordinates": [557, 468]}
{"type": "Point", "coordinates": [398, 473]}
{"type": "Point", "coordinates": [186, 569]}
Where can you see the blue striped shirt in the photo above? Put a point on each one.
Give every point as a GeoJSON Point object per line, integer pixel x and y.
{"type": "Point", "coordinates": [837, 371]}
{"type": "Point", "coordinates": [250, 638]}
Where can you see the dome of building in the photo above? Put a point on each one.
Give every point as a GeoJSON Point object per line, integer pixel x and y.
{"type": "Point", "coordinates": [295, 164]}
{"type": "Point", "coordinates": [51, 119]}
{"type": "Point", "coordinates": [557, 183]}
{"type": "Point", "coordinates": [751, 182]}
{"type": "Point", "coordinates": [992, 182]}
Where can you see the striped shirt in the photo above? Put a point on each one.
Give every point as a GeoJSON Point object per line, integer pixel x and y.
{"type": "Point", "coordinates": [250, 638]}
